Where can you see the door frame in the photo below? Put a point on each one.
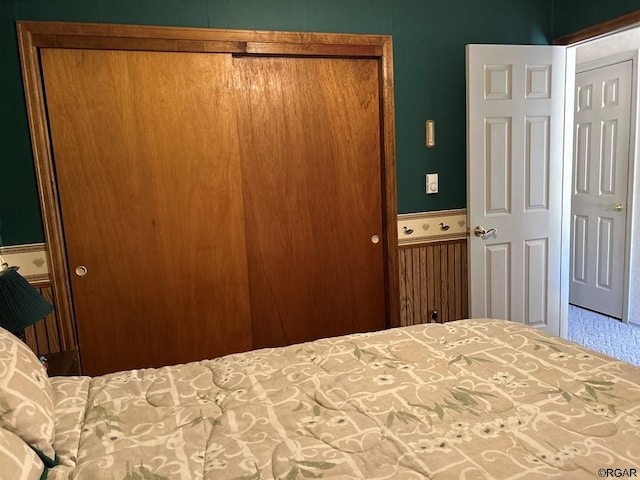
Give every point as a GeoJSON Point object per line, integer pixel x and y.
{"type": "Point", "coordinates": [573, 41]}
{"type": "Point", "coordinates": [33, 36]}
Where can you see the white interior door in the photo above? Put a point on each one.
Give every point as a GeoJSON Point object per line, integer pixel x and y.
{"type": "Point", "coordinates": [515, 167]}
{"type": "Point", "coordinates": [599, 188]}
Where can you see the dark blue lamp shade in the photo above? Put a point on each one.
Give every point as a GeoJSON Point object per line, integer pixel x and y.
{"type": "Point", "coordinates": [20, 304]}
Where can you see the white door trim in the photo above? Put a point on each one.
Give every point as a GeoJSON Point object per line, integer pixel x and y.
{"type": "Point", "coordinates": [606, 62]}
{"type": "Point", "coordinates": [631, 304]}
{"type": "Point", "coordinates": [567, 177]}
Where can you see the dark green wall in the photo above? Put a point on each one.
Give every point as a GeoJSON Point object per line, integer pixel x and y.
{"type": "Point", "coordinates": [572, 15]}
{"type": "Point", "coordinates": [429, 38]}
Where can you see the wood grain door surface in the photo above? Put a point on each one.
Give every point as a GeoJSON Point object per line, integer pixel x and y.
{"type": "Point", "coordinates": [148, 173]}
{"type": "Point", "coordinates": [218, 203]}
{"type": "Point", "coordinates": [311, 169]}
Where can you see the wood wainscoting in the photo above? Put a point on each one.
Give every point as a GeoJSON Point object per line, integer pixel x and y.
{"type": "Point", "coordinates": [433, 278]}
{"type": "Point", "coordinates": [44, 337]}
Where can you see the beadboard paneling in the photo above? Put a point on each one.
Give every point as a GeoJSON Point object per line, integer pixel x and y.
{"type": "Point", "coordinates": [44, 336]}
{"type": "Point", "coordinates": [433, 277]}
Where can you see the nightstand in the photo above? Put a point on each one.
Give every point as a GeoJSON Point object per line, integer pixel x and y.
{"type": "Point", "coordinates": [63, 363]}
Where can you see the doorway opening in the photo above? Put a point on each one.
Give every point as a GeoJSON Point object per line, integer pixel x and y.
{"type": "Point", "coordinates": [597, 59]}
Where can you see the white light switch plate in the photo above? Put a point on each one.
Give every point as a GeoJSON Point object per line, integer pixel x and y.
{"type": "Point", "coordinates": [432, 183]}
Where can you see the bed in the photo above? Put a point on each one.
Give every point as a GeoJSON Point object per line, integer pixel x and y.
{"type": "Point", "coordinates": [468, 399]}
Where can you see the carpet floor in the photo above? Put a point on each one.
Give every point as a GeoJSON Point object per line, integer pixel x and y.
{"type": "Point", "coordinates": [604, 334]}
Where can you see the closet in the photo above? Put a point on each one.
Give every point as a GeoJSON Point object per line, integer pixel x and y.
{"type": "Point", "coordinates": [206, 192]}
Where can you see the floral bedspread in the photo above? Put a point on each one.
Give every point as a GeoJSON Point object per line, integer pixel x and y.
{"type": "Point", "coordinates": [464, 400]}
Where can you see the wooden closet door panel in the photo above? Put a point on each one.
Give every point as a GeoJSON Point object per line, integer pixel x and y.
{"type": "Point", "coordinates": [311, 167]}
{"type": "Point", "coordinates": [147, 168]}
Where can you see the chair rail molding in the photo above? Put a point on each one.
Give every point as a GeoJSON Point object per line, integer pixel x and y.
{"type": "Point", "coordinates": [32, 259]}
{"type": "Point", "coordinates": [426, 227]}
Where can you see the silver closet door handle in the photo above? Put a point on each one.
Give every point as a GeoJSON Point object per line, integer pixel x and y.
{"type": "Point", "coordinates": [81, 270]}
{"type": "Point", "coordinates": [480, 231]}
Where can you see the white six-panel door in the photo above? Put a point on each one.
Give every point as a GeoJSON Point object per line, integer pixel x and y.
{"type": "Point", "coordinates": [599, 188]}
{"type": "Point", "coordinates": [516, 123]}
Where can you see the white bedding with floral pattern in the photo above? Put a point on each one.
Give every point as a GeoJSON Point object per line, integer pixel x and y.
{"type": "Point", "coordinates": [463, 400]}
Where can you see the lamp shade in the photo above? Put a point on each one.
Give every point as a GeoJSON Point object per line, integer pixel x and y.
{"type": "Point", "coordinates": [20, 304]}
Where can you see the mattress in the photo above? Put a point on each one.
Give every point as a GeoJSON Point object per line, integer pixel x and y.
{"type": "Point", "coordinates": [463, 400]}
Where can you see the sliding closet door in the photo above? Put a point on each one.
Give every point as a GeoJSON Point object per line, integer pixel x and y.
{"type": "Point", "coordinates": [311, 168]}
{"type": "Point", "coordinates": [147, 168]}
